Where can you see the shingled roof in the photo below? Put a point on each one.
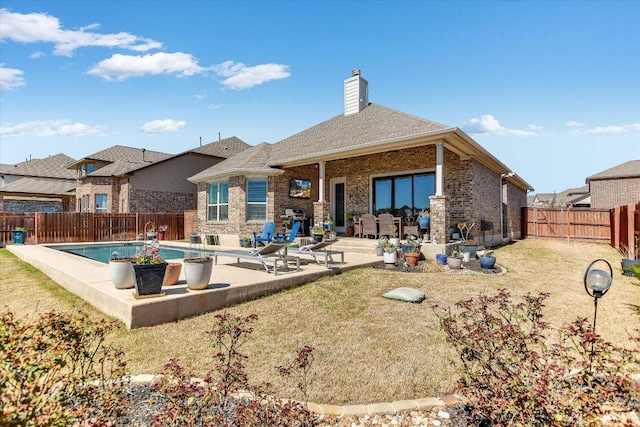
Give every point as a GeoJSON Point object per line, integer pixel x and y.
{"type": "Point", "coordinates": [122, 160]}
{"type": "Point", "coordinates": [373, 126]}
{"type": "Point", "coordinates": [251, 161]}
{"type": "Point", "coordinates": [33, 186]}
{"type": "Point", "coordinates": [50, 167]}
{"type": "Point", "coordinates": [630, 169]}
{"type": "Point", "coordinates": [223, 148]}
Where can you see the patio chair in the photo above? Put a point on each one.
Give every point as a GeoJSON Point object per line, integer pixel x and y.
{"type": "Point", "coordinates": [266, 236]}
{"type": "Point", "coordinates": [386, 225]}
{"type": "Point", "coordinates": [268, 256]}
{"type": "Point", "coordinates": [316, 250]}
{"type": "Point", "coordinates": [291, 237]}
{"type": "Point", "coordinates": [368, 225]}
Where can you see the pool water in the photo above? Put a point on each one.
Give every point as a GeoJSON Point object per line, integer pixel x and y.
{"type": "Point", "coordinates": [102, 253]}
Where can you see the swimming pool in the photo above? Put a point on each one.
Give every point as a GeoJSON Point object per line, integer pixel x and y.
{"type": "Point", "coordinates": [103, 252]}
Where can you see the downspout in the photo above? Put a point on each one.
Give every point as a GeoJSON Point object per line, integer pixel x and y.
{"type": "Point", "coordinates": [321, 181]}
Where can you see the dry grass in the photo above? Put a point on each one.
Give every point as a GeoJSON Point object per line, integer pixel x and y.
{"type": "Point", "coordinates": [369, 348]}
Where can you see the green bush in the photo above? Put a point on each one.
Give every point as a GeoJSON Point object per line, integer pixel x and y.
{"type": "Point", "coordinates": [57, 371]}
{"type": "Point", "coordinates": [514, 375]}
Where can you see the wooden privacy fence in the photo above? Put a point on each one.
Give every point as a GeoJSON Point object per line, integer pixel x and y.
{"type": "Point", "coordinates": [619, 227]}
{"type": "Point", "coordinates": [68, 227]}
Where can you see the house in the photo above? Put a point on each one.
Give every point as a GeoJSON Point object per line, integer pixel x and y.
{"type": "Point", "coordinates": [573, 197]}
{"type": "Point", "coordinates": [124, 179]}
{"type": "Point", "coordinates": [616, 186]}
{"type": "Point", "coordinates": [369, 159]}
{"type": "Point", "coordinates": [38, 185]}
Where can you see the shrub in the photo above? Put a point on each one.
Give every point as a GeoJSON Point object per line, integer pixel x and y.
{"type": "Point", "coordinates": [514, 375]}
{"type": "Point", "coordinates": [57, 371]}
{"type": "Point", "coordinates": [225, 396]}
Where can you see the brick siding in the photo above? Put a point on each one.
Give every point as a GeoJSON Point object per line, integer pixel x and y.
{"type": "Point", "coordinates": [609, 193]}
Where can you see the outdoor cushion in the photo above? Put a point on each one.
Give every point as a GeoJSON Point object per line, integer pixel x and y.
{"type": "Point", "coordinates": [405, 294]}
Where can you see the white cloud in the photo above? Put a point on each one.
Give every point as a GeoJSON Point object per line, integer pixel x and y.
{"type": "Point", "coordinates": [535, 128]}
{"type": "Point", "coordinates": [48, 128]}
{"type": "Point", "coordinates": [10, 78]}
{"type": "Point", "coordinates": [200, 96]}
{"type": "Point", "coordinates": [611, 130]}
{"type": "Point", "coordinates": [121, 67]}
{"type": "Point", "coordinates": [167, 125]}
{"type": "Point", "coordinates": [37, 54]}
{"type": "Point", "coordinates": [491, 125]}
{"type": "Point", "coordinates": [40, 27]}
{"type": "Point", "coordinates": [215, 106]}
{"type": "Point", "coordinates": [240, 76]}
{"type": "Point", "coordinates": [573, 124]}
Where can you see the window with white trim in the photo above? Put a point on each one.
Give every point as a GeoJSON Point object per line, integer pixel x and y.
{"type": "Point", "coordinates": [218, 201]}
{"type": "Point", "coordinates": [257, 199]}
{"type": "Point", "coordinates": [101, 203]}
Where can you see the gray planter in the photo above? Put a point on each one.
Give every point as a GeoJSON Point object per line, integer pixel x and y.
{"type": "Point", "coordinates": [197, 272]}
{"type": "Point", "coordinates": [122, 274]}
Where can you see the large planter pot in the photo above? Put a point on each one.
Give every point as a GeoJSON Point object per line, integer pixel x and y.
{"type": "Point", "coordinates": [172, 274]}
{"type": "Point", "coordinates": [19, 236]}
{"type": "Point", "coordinates": [122, 273]}
{"type": "Point", "coordinates": [454, 263]}
{"type": "Point", "coordinates": [197, 272]}
{"type": "Point", "coordinates": [487, 261]}
{"type": "Point", "coordinates": [472, 249]}
{"type": "Point", "coordinates": [149, 278]}
{"type": "Point", "coordinates": [412, 258]}
{"type": "Point", "coordinates": [395, 241]}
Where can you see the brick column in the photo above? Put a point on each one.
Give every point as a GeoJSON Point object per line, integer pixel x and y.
{"type": "Point", "coordinates": [320, 212]}
{"type": "Point", "coordinates": [439, 218]}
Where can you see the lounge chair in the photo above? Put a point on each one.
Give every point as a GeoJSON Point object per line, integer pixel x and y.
{"type": "Point", "coordinates": [268, 256]}
{"type": "Point", "coordinates": [266, 236]}
{"type": "Point", "coordinates": [316, 250]}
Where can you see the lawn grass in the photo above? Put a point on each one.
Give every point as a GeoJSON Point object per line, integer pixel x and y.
{"type": "Point", "coordinates": [367, 348]}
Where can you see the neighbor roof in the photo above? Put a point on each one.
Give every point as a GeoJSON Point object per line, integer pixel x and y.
{"type": "Point", "coordinates": [630, 169]}
{"type": "Point", "coordinates": [52, 167]}
{"type": "Point", "coordinates": [224, 148]}
{"type": "Point", "coordinates": [40, 187]}
{"type": "Point", "coordinates": [122, 160]}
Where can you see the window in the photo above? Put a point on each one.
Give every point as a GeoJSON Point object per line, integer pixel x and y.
{"type": "Point", "coordinates": [403, 195]}
{"type": "Point", "coordinates": [218, 201]}
{"type": "Point", "coordinates": [85, 169]}
{"type": "Point", "coordinates": [101, 203]}
{"type": "Point", "coordinates": [257, 199]}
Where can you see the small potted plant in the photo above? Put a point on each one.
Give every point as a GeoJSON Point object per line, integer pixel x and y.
{"type": "Point", "coordinates": [390, 255]}
{"type": "Point", "coordinates": [162, 230]}
{"type": "Point", "coordinates": [467, 244]}
{"type": "Point", "coordinates": [379, 249]}
{"type": "Point", "coordinates": [350, 228]}
{"type": "Point", "coordinates": [424, 217]}
{"type": "Point", "coordinates": [455, 260]}
{"type": "Point", "coordinates": [393, 235]}
{"type": "Point", "coordinates": [411, 252]}
{"type": "Point", "coordinates": [318, 233]}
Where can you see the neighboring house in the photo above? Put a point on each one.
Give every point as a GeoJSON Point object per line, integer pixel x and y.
{"type": "Point", "coordinates": [369, 159]}
{"type": "Point", "coordinates": [574, 197]}
{"type": "Point", "coordinates": [617, 186]}
{"type": "Point", "coordinates": [124, 179]}
{"type": "Point", "coordinates": [38, 185]}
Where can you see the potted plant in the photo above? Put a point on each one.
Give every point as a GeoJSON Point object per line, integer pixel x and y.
{"type": "Point", "coordinates": [121, 269]}
{"type": "Point", "coordinates": [197, 271]}
{"type": "Point", "coordinates": [350, 229]}
{"type": "Point", "coordinates": [19, 235]}
{"type": "Point", "coordinates": [151, 233]}
{"type": "Point", "coordinates": [424, 217]}
{"type": "Point", "coordinates": [393, 235]}
{"type": "Point", "coordinates": [467, 244]}
{"type": "Point", "coordinates": [194, 238]}
{"type": "Point", "coordinates": [149, 269]}
{"type": "Point", "coordinates": [455, 260]}
{"type": "Point", "coordinates": [140, 236]}
{"type": "Point", "coordinates": [487, 261]}
{"type": "Point", "coordinates": [411, 252]}
{"type": "Point", "coordinates": [390, 256]}
{"type": "Point", "coordinates": [162, 229]}
{"type": "Point", "coordinates": [318, 233]}
{"type": "Point", "coordinates": [627, 262]}
{"type": "Point", "coordinates": [379, 249]}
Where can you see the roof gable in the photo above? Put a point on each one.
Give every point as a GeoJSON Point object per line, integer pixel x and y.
{"type": "Point", "coordinates": [253, 161]}
{"type": "Point", "coordinates": [50, 167]}
{"type": "Point", "coordinates": [223, 148]}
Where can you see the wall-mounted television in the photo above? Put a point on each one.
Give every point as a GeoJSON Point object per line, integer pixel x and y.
{"type": "Point", "coordinates": [300, 189]}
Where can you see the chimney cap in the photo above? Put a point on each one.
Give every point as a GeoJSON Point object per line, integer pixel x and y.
{"type": "Point", "coordinates": [355, 72]}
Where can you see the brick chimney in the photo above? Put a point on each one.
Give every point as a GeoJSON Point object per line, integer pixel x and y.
{"type": "Point", "coordinates": [356, 93]}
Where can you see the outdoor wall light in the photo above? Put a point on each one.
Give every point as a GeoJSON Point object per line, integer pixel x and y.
{"type": "Point", "coordinates": [597, 283]}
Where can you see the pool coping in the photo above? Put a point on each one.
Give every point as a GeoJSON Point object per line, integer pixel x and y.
{"type": "Point", "coordinates": [230, 284]}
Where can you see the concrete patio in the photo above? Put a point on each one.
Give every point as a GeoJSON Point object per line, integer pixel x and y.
{"type": "Point", "coordinates": [230, 283]}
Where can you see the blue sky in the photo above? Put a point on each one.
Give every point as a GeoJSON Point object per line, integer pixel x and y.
{"type": "Point", "coordinates": [552, 89]}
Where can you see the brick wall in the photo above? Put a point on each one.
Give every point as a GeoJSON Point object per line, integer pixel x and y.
{"type": "Point", "coordinates": [161, 201]}
{"type": "Point", "coordinates": [609, 193]}
{"type": "Point", "coordinates": [16, 205]}
{"type": "Point", "coordinates": [471, 192]}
